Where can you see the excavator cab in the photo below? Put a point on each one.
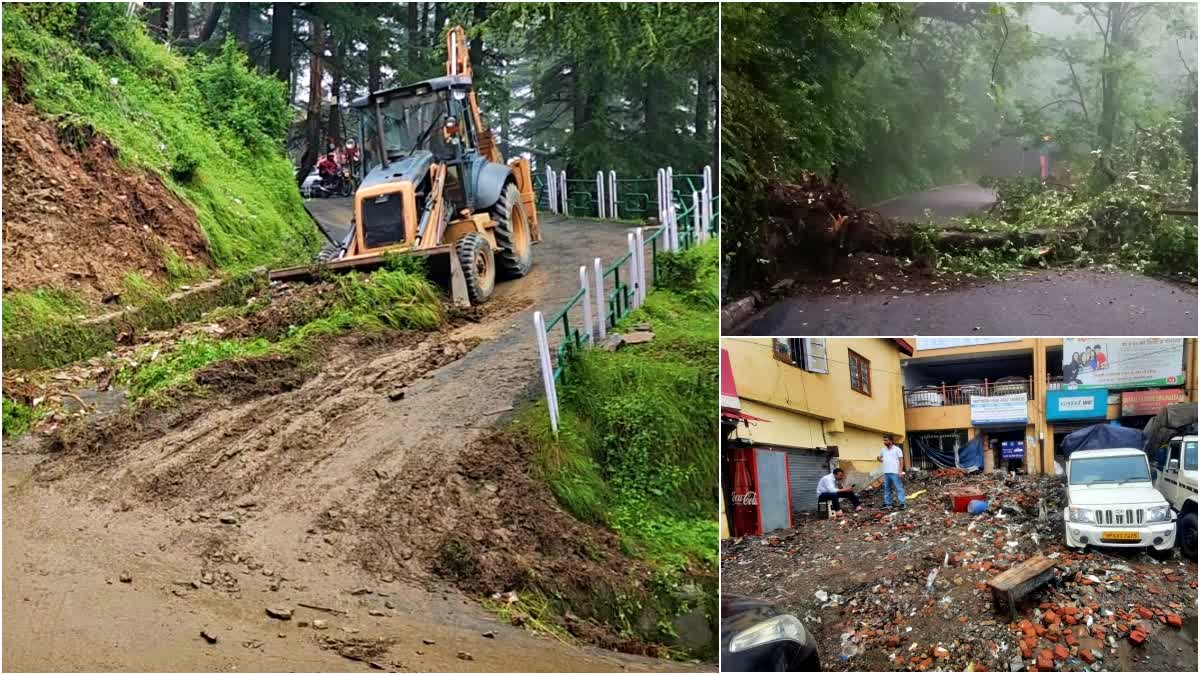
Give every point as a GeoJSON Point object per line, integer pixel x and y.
{"type": "Point", "coordinates": [436, 185]}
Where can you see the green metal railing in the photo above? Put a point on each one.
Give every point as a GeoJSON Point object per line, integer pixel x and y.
{"type": "Point", "coordinates": [620, 291]}
{"type": "Point", "coordinates": [637, 198]}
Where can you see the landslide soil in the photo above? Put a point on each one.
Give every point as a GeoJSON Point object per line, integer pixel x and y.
{"type": "Point", "coordinates": [75, 219]}
{"type": "Point", "coordinates": [326, 487]}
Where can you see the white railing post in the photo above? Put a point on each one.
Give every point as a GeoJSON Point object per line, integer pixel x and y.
{"type": "Point", "coordinates": [587, 303]}
{"type": "Point", "coordinates": [659, 177]}
{"type": "Point", "coordinates": [708, 195]}
{"type": "Point", "coordinates": [562, 189]}
{"type": "Point", "coordinates": [633, 271]}
{"type": "Point", "coordinates": [552, 189]}
{"type": "Point", "coordinates": [673, 233]}
{"type": "Point", "coordinates": [698, 218]}
{"type": "Point", "coordinates": [670, 185]}
{"type": "Point", "coordinates": [641, 255]}
{"type": "Point", "coordinates": [601, 315]}
{"type": "Point", "coordinates": [539, 326]}
{"type": "Point", "coordinates": [612, 195]}
{"type": "Point", "coordinates": [600, 194]}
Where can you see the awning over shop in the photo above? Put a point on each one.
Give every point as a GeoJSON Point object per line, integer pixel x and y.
{"type": "Point", "coordinates": [731, 414]}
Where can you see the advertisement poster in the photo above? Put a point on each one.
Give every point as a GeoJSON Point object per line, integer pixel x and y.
{"type": "Point", "coordinates": [1115, 363]}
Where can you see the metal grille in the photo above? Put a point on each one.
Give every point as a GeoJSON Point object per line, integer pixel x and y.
{"type": "Point", "coordinates": [383, 220]}
{"type": "Point", "coordinates": [1120, 517]}
{"type": "Point", "coordinates": [804, 470]}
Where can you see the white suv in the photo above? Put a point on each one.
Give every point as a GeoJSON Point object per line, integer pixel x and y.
{"type": "Point", "coordinates": [1111, 502]}
{"type": "Point", "coordinates": [1176, 480]}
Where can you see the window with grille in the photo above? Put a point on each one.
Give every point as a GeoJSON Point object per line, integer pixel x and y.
{"type": "Point", "coordinates": [860, 374]}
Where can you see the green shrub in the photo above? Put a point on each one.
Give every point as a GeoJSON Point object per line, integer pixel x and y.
{"type": "Point", "coordinates": [18, 418]}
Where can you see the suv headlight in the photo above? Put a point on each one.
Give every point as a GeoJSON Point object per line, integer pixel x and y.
{"type": "Point", "coordinates": [782, 627]}
{"type": "Point", "coordinates": [1158, 514]}
{"type": "Point", "coordinates": [1079, 515]}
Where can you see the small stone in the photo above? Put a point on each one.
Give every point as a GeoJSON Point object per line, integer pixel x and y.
{"type": "Point", "coordinates": [490, 634]}
{"type": "Point", "coordinates": [1175, 620]}
{"type": "Point", "coordinates": [377, 612]}
{"type": "Point", "coordinates": [302, 624]}
{"type": "Point", "coordinates": [281, 613]}
{"type": "Point", "coordinates": [126, 578]}
{"type": "Point", "coordinates": [268, 573]}
{"type": "Point", "coordinates": [320, 624]}
{"type": "Point", "coordinates": [428, 641]}
{"type": "Point", "coordinates": [389, 604]}
{"type": "Point", "coordinates": [350, 630]}
{"type": "Point", "coordinates": [941, 652]}
{"type": "Point", "coordinates": [228, 519]}
{"type": "Point", "coordinates": [388, 579]}
{"type": "Point", "coordinates": [209, 636]}
{"type": "Point", "coordinates": [282, 635]}
{"type": "Point", "coordinates": [465, 656]}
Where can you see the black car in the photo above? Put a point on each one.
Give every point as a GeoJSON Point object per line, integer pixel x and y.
{"type": "Point", "coordinates": [757, 636]}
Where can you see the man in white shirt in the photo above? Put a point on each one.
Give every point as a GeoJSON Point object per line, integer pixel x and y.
{"type": "Point", "coordinates": [829, 489]}
{"type": "Point", "coordinates": [892, 457]}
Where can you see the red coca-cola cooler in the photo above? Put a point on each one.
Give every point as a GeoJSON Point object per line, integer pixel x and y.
{"type": "Point", "coordinates": [761, 500]}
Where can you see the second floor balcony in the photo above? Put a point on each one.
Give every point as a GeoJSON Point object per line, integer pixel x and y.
{"type": "Point", "coordinates": [934, 395]}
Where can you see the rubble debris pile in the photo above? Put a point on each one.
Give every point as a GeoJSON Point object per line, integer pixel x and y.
{"type": "Point", "coordinates": [910, 590]}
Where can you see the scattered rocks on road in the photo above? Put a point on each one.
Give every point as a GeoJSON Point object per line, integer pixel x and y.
{"type": "Point", "coordinates": [209, 636]}
{"type": "Point", "coordinates": [465, 656]}
{"type": "Point", "coordinates": [281, 613]}
{"type": "Point", "coordinates": [126, 578]}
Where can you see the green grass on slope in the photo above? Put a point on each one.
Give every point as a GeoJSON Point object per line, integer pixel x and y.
{"type": "Point", "coordinates": [386, 299]}
{"type": "Point", "coordinates": [211, 128]}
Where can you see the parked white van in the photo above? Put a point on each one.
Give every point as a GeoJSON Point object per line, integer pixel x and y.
{"type": "Point", "coordinates": [1112, 502]}
{"type": "Point", "coordinates": [1176, 480]}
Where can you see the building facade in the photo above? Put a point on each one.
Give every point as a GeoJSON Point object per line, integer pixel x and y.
{"type": "Point", "coordinates": [1021, 397]}
{"type": "Point", "coordinates": [801, 406]}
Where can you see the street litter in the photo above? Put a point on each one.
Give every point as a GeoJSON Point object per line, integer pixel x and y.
{"type": "Point", "coordinates": [914, 590]}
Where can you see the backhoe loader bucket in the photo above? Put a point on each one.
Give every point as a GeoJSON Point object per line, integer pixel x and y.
{"type": "Point", "coordinates": [441, 267]}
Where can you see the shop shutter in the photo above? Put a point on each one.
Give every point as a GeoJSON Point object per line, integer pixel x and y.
{"type": "Point", "coordinates": [805, 468]}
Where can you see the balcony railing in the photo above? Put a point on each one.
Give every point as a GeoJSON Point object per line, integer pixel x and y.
{"type": "Point", "coordinates": [933, 396]}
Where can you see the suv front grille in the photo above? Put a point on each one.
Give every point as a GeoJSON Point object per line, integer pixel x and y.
{"type": "Point", "coordinates": [383, 220]}
{"type": "Point", "coordinates": [1120, 517]}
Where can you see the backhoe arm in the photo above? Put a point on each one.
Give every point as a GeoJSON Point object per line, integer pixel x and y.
{"type": "Point", "coordinates": [458, 62]}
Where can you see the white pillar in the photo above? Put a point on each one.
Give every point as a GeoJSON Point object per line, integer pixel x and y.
{"type": "Point", "coordinates": [697, 218]}
{"type": "Point", "coordinates": [539, 326]}
{"type": "Point", "coordinates": [587, 304]}
{"type": "Point", "coordinates": [660, 176]}
{"type": "Point", "coordinates": [708, 196]}
{"type": "Point", "coordinates": [600, 194]}
{"type": "Point", "coordinates": [670, 186]}
{"type": "Point", "coordinates": [612, 195]}
{"type": "Point", "coordinates": [633, 270]}
{"type": "Point", "coordinates": [601, 315]}
{"type": "Point", "coordinates": [641, 255]}
{"type": "Point", "coordinates": [552, 189]}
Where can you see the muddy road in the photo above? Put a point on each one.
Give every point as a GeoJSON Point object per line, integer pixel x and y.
{"type": "Point", "coordinates": [239, 503]}
{"type": "Point", "coordinates": [1043, 302]}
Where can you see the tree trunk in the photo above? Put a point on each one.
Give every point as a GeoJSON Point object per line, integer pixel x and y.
{"type": "Point", "coordinates": [239, 24]}
{"type": "Point", "coordinates": [411, 34]}
{"type": "Point", "coordinates": [440, 11]}
{"type": "Point", "coordinates": [1111, 79]}
{"type": "Point", "coordinates": [374, 63]}
{"type": "Point", "coordinates": [424, 19]}
{"type": "Point", "coordinates": [180, 27]}
{"type": "Point", "coordinates": [210, 23]}
{"type": "Point", "coordinates": [312, 127]}
{"type": "Point", "coordinates": [160, 16]}
{"type": "Point", "coordinates": [703, 90]}
{"type": "Point", "coordinates": [335, 111]}
{"type": "Point", "coordinates": [479, 14]}
{"type": "Point", "coordinates": [506, 127]}
{"type": "Point", "coordinates": [281, 40]}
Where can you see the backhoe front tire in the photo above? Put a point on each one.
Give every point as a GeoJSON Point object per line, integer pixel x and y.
{"type": "Point", "coordinates": [478, 266]}
{"type": "Point", "coordinates": [513, 236]}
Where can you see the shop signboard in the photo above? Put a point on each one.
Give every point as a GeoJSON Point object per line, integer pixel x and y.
{"type": "Point", "coordinates": [1083, 404]}
{"type": "Point", "coordinates": [1149, 402]}
{"type": "Point", "coordinates": [1005, 409]}
{"type": "Point", "coordinates": [1122, 363]}
{"type": "Point", "coordinates": [1012, 449]}
{"type": "Point", "coordinates": [927, 343]}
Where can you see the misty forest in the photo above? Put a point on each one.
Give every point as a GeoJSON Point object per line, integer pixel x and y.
{"type": "Point", "coordinates": [1077, 121]}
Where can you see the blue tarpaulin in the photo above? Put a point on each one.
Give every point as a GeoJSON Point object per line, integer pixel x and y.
{"type": "Point", "coordinates": [1101, 437]}
{"type": "Point", "coordinates": [970, 456]}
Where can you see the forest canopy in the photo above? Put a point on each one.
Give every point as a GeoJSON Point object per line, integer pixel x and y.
{"type": "Point", "coordinates": [891, 98]}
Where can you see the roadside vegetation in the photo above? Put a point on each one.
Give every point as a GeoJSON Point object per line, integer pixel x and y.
{"type": "Point", "coordinates": [885, 99]}
{"type": "Point", "coordinates": [636, 446]}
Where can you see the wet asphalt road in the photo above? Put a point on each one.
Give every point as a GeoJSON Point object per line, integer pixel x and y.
{"type": "Point", "coordinates": [946, 202]}
{"type": "Point", "coordinates": [1045, 302]}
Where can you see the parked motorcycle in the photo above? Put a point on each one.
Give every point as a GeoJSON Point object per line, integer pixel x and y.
{"type": "Point", "coordinates": [341, 184]}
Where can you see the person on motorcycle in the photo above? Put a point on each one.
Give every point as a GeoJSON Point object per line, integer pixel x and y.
{"type": "Point", "coordinates": [327, 169]}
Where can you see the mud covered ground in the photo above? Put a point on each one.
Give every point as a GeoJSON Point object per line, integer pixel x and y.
{"type": "Point", "coordinates": [63, 185]}
{"type": "Point", "coordinates": [906, 590]}
{"type": "Point", "coordinates": [325, 490]}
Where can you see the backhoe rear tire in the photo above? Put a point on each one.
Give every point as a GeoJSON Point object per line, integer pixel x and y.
{"type": "Point", "coordinates": [478, 266]}
{"type": "Point", "coordinates": [513, 236]}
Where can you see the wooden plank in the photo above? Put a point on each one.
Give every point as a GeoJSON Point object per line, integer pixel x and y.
{"type": "Point", "coordinates": [1018, 576]}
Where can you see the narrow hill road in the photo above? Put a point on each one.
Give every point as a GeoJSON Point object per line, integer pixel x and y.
{"type": "Point", "coordinates": [279, 468]}
{"type": "Point", "coordinates": [1034, 302]}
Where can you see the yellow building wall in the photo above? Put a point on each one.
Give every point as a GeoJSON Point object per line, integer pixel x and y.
{"type": "Point", "coordinates": [816, 410]}
{"type": "Point", "coordinates": [938, 417]}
